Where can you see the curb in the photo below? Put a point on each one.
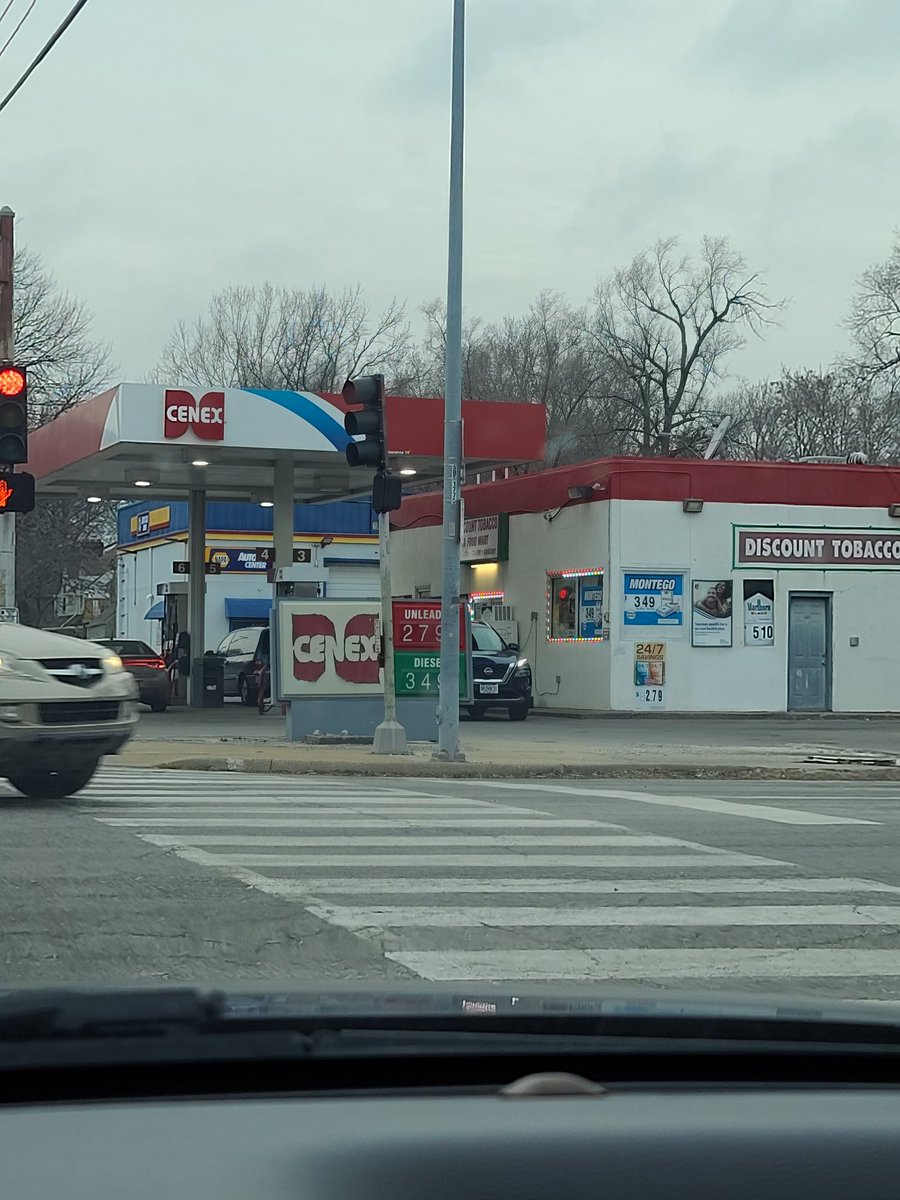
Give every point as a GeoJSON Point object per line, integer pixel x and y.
{"type": "Point", "coordinates": [427, 769]}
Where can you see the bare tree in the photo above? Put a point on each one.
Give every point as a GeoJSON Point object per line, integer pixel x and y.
{"type": "Point", "coordinates": [291, 338]}
{"type": "Point", "coordinates": [544, 356]}
{"type": "Point", "coordinates": [804, 413]}
{"type": "Point", "coordinates": [65, 362]}
{"type": "Point", "coordinates": [65, 365]}
{"type": "Point", "coordinates": [874, 320]}
{"type": "Point", "coordinates": [665, 326]}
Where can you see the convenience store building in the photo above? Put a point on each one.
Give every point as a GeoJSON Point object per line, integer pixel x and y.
{"type": "Point", "coordinates": [641, 585]}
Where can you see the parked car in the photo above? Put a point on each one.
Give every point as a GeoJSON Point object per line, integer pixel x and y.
{"type": "Point", "coordinates": [64, 703]}
{"type": "Point", "coordinates": [148, 669]}
{"type": "Point", "coordinates": [501, 676]}
{"type": "Point", "coordinates": [244, 652]}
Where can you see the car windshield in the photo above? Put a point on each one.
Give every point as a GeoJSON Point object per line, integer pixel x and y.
{"type": "Point", "coordinates": [487, 639]}
{"type": "Point", "coordinates": [528, 623]}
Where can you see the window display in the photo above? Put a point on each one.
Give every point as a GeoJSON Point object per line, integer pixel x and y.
{"type": "Point", "coordinates": [575, 605]}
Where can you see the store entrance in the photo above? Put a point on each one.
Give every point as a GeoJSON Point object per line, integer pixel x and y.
{"type": "Point", "coordinates": [809, 652]}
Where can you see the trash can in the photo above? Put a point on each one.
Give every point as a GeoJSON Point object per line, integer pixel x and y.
{"type": "Point", "coordinates": [211, 669]}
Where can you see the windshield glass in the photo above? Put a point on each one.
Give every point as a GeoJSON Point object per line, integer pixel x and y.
{"type": "Point", "coordinates": [528, 624]}
{"type": "Point", "coordinates": [487, 639]}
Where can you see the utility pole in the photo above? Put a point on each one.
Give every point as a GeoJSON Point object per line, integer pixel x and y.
{"type": "Point", "coordinates": [448, 700]}
{"type": "Point", "coordinates": [7, 349]}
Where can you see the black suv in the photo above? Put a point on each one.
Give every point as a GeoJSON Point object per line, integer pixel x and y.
{"type": "Point", "coordinates": [502, 678]}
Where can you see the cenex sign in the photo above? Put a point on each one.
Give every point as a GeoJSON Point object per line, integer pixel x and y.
{"type": "Point", "coordinates": [204, 417]}
{"type": "Point", "coordinates": [822, 549]}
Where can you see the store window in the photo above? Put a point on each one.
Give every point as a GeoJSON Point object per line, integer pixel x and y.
{"type": "Point", "coordinates": [575, 605]}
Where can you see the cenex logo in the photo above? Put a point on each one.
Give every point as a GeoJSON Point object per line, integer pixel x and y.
{"type": "Point", "coordinates": [206, 416]}
{"type": "Point", "coordinates": [354, 654]}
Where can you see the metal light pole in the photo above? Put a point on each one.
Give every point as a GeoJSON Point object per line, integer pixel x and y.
{"type": "Point", "coordinates": [7, 346]}
{"type": "Point", "coordinates": [448, 702]}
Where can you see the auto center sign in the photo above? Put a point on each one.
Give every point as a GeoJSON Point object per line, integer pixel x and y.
{"type": "Point", "coordinates": [204, 416]}
{"type": "Point", "coordinates": [328, 648]}
{"type": "Point", "coordinates": [817, 549]}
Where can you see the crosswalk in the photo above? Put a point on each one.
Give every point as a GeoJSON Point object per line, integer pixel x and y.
{"type": "Point", "coordinates": [457, 888]}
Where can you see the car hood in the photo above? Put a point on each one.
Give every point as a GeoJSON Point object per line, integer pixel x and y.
{"type": "Point", "coordinates": [25, 642]}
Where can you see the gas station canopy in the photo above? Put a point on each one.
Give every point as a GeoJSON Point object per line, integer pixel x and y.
{"type": "Point", "coordinates": [148, 439]}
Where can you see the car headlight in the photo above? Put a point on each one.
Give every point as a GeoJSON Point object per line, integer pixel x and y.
{"type": "Point", "coordinates": [522, 667]}
{"type": "Point", "coordinates": [113, 663]}
{"type": "Point", "coordinates": [10, 665]}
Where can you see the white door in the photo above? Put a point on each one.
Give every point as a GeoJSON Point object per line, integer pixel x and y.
{"type": "Point", "coordinates": [353, 581]}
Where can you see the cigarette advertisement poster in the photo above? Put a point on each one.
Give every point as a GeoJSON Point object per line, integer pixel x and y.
{"type": "Point", "coordinates": [649, 673]}
{"type": "Point", "coordinates": [759, 612]}
{"type": "Point", "coordinates": [711, 612]}
{"type": "Point", "coordinates": [653, 600]}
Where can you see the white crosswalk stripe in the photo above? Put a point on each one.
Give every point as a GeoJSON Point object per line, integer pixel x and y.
{"type": "Point", "coordinates": [453, 887]}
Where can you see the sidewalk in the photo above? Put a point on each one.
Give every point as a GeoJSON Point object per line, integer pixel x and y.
{"type": "Point", "coordinates": [702, 747]}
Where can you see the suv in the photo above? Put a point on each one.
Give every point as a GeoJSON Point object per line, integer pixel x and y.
{"type": "Point", "coordinates": [501, 677]}
{"type": "Point", "coordinates": [244, 653]}
{"type": "Point", "coordinates": [64, 703]}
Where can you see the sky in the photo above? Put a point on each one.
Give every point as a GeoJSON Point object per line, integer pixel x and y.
{"type": "Point", "coordinates": [169, 148]}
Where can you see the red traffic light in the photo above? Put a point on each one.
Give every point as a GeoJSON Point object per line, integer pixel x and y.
{"type": "Point", "coordinates": [12, 381]}
{"type": "Point", "coordinates": [16, 493]}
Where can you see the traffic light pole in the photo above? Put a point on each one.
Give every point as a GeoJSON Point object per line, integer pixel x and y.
{"type": "Point", "coordinates": [390, 736]}
{"type": "Point", "coordinates": [7, 349]}
{"type": "Point", "coordinates": [448, 703]}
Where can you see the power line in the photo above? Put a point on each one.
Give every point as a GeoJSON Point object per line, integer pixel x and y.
{"type": "Point", "coordinates": [18, 27]}
{"type": "Point", "coordinates": [51, 42]}
{"type": "Point", "coordinates": [9, 4]}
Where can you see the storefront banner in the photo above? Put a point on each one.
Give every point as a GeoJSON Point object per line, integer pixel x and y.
{"type": "Point", "coordinates": [711, 612]}
{"type": "Point", "coordinates": [649, 673]}
{"type": "Point", "coordinates": [654, 600]}
{"type": "Point", "coordinates": [834, 549]}
{"type": "Point", "coordinates": [759, 612]}
{"type": "Point", "coordinates": [485, 539]}
{"type": "Point", "coordinates": [238, 559]}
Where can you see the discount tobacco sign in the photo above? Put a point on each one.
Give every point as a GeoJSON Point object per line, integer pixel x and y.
{"type": "Point", "coordinates": [861, 549]}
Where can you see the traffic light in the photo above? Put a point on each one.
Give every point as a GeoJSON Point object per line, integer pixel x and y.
{"type": "Point", "coordinates": [13, 414]}
{"type": "Point", "coordinates": [367, 391]}
{"type": "Point", "coordinates": [369, 422]}
{"type": "Point", "coordinates": [16, 493]}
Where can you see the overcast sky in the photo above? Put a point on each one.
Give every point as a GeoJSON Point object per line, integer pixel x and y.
{"type": "Point", "coordinates": [167, 148]}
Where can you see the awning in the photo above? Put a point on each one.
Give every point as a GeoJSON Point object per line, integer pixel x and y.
{"type": "Point", "coordinates": [247, 609]}
{"type": "Point", "coordinates": [156, 613]}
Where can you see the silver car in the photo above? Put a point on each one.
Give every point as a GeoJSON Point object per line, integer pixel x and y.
{"type": "Point", "coordinates": [64, 703]}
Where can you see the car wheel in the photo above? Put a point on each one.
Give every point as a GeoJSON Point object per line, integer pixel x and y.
{"type": "Point", "coordinates": [53, 785]}
{"type": "Point", "coordinates": [518, 712]}
{"type": "Point", "coordinates": [246, 692]}
{"type": "Point", "coordinates": [158, 706]}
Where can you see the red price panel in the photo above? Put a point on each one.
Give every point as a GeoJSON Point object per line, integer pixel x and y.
{"type": "Point", "coordinates": [417, 624]}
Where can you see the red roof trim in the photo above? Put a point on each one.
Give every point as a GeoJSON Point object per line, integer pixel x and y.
{"type": "Point", "coordinates": [670, 479]}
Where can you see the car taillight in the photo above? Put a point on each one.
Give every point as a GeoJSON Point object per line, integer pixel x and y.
{"type": "Point", "coordinates": [157, 664]}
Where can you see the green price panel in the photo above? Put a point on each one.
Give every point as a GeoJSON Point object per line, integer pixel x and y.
{"type": "Point", "coordinates": [417, 674]}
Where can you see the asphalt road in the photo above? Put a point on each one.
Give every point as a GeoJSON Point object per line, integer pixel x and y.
{"type": "Point", "coordinates": [171, 876]}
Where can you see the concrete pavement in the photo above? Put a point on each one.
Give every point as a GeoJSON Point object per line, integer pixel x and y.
{"type": "Point", "coordinates": [741, 886]}
{"type": "Point", "coordinates": [235, 738]}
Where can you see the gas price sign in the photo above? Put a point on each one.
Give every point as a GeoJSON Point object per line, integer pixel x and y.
{"type": "Point", "coordinates": [417, 648]}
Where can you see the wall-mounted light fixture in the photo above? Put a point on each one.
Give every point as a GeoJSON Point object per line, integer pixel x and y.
{"type": "Point", "coordinates": [894, 510]}
{"type": "Point", "coordinates": [581, 491]}
{"type": "Point", "coordinates": [692, 505]}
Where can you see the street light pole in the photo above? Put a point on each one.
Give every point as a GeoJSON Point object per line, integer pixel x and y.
{"type": "Point", "coordinates": [7, 346]}
{"type": "Point", "coordinates": [448, 700]}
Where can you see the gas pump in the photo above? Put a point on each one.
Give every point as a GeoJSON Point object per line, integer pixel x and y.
{"type": "Point", "coordinates": [176, 640]}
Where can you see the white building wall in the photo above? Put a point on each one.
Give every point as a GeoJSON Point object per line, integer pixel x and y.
{"type": "Point", "coordinates": [739, 678]}
{"type": "Point", "coordinates": [658, 536]}
{"type": "Point", "coordinates": [140, 571]}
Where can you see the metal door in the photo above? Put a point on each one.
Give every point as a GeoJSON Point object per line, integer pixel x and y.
{"type": "Point", "coordinates": [809, 653]}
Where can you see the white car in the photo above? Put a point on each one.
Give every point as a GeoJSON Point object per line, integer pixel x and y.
{"type": "Point", "coordinates": [64, 703]}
